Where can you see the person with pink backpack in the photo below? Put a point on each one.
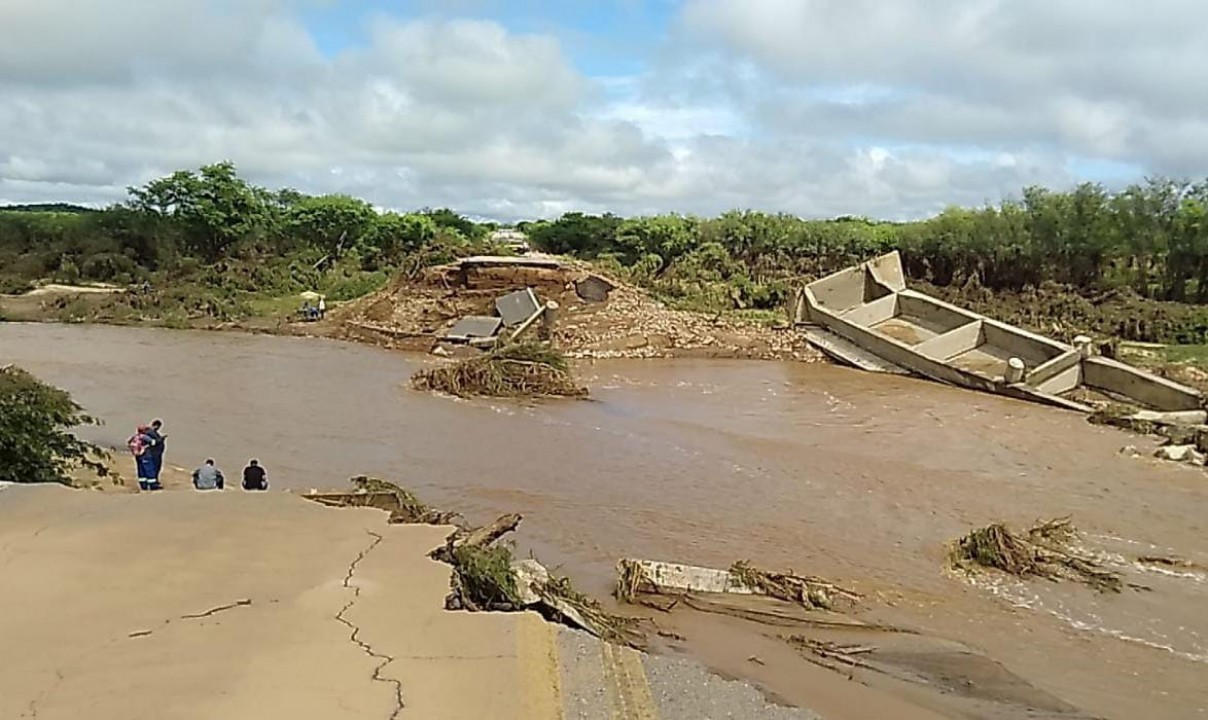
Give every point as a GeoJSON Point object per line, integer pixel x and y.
{"type": "Point", "coordinates": [140, 445]}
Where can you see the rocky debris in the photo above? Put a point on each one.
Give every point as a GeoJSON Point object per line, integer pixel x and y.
{"type": "Point", "coordinates": [627, 323]}
{"type": "Point", "coordinates": [1180, 454]}
{"type": "Point", "coordinates": [485, 575]}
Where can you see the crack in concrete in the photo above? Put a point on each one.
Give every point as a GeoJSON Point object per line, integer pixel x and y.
{"type": "Point", "coordinates": [245, 602]}
{"type": "Point", "coordinates": [221, 608]}
{"type": "Point", "coordinates": [355, 636]}
{"type": "Point", "coordinates": [33, 704]}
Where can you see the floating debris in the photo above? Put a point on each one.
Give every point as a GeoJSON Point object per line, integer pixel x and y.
{"type": "Point", "coordinates": [521, 370]}
{"type": "Point", "coordinates": [1045, 551]}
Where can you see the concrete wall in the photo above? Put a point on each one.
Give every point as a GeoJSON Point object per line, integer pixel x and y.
{"type": "Point", "coordinates": [1058, 365]}
{"type": "Point", "coordinates": [1032, 349]}
{"type": "Point", "coordinates": [864, 283]}
{"type": "Point", "coordinates": [887, 270]}
{"type": "Point", "coordinates": [953, 342]}
{"type": "Point", "coordinates": [1149, 390]}
{"type": "Point", "coordinates": [874, 312]}
{"type": "Point", "coordinates": [935, 316]}
{"type": "Point", "coordinates": [899, 353]}
{"type": "Point", "coordinates": [842, 291]}
{"type": "Point", "coordinates": [1063, 381]}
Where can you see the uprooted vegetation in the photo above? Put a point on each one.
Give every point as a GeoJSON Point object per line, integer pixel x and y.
{"type": "Point", "coordinates": [806, 591]}
{"type": "Point", "coordinates": [1045, 550]}
{"type": "Point", "coordinates": [528, 369]}
{"type": "Point", "coordinates": [486, 576]}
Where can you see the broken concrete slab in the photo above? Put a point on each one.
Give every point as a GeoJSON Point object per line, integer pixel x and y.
{"type": "Point", "coordinates": [594, 288]}
{"type": "Point", "coordinates": [870, 306]}
{"type": "Point", "coordinates": [517, 307]}
{"type": "Point", "coordinates": [1181, 454]}
{"type": "Point", "coordinates": [474, 326]}
{"type": "Point", "coordinates": [635, 577]}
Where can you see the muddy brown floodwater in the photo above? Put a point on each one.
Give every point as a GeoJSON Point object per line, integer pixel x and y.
{"type": "Point", "coordinates": [829, 471]}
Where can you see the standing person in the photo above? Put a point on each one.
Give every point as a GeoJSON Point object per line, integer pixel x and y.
{"type": "Point", "coordinates": [140, 443]}
{"type": "Point", "coordinates": [156, 452]}
{"type": "Point", "coordinates": [254, 476]}
{"type": "Point", "coordinates": [322, 307]}
{"type": "Point", "coordinates": [208, 477]}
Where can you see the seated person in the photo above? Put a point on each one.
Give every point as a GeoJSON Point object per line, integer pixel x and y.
{"type": "Point", "coordinates": [208, 477]}
{"type": "Point", "coordinates": [254, 476]}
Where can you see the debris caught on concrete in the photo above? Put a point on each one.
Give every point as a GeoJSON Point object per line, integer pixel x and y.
{"type": "Point", "coordinates": [515, 370]}
{"type": "Point", "coordinates": [403, 506]}
{"type": "Point", "coordinates": [1148, 422]}
{"type": "Point", "coordinates": [486, 576]}
{"type": "Point", "coordinates": [638, 577]}
{"type": "Point", "coordinates": [1046, 551]}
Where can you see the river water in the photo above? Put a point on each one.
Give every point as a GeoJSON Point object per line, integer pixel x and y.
{"type": "Point", "coordinates": [825, 470]}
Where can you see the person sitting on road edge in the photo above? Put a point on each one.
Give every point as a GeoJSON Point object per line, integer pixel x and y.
{"type": "Point", "coordinates": [208, 477]}
{"type": "Point", "coordinates": [254, 476]}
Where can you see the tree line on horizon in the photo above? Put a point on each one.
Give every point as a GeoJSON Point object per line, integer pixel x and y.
{"type": "Point", "coordinates": [212, 226]}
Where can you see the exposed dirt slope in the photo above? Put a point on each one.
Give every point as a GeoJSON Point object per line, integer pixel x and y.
{"type": "Point", "coordinates": [414, 312]}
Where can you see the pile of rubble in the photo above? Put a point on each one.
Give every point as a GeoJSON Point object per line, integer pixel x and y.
{"type": "Point", "coordinates": [586, 314]}
{"type": "Point", "coordinates": [632, 324]}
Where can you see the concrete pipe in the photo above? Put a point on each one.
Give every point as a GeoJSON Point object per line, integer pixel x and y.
{"type": "Point", "coordinates": [549, 320]}
{"type": "Point", "coordinates": [1015, 368]}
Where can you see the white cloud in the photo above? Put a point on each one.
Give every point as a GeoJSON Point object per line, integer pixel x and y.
{"type": "Point", "coordinates": [817, 107]}
{"type": "Point", "coordinates": [1103, 80]}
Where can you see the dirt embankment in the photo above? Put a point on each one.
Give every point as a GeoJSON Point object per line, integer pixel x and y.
{"type": "Point", "coordinates": [623, 322]}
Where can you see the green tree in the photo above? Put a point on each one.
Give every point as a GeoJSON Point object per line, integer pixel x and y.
{"type": "Point", "coordinates": [330, 223]}
{"type": "Point", "coordinates": [667, 236]}
{"type": "Point", "coordinates": [215, 207]}
{"type": "Point", "coordinates": [586, 236]}
{"type": "Point", "coordinates": [35, 419]}
{"type": "Point", "coordinates": [394, 235]}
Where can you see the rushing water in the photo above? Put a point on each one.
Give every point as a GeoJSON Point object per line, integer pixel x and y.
{"type": "Point", "coordinates": [858, 477]}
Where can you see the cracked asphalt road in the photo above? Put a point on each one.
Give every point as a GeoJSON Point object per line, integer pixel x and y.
{"type": "Point", "coordinates": [224, 605]}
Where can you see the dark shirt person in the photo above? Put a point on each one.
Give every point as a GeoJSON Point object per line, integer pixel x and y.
{"type": "Point", "coordinates": [254, 477]}
{"type": "Point", "coordinates": [155, 452]}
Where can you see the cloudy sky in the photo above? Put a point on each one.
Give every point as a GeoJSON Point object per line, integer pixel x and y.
{"type": "Point", "coordinates": [523, 108]}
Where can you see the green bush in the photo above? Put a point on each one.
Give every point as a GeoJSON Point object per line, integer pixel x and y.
{"type": "Point", "coordinates": [13, 285]}
{"type": "Point", "coordinates": [351, 288]}
{"type": "Point", "coordinates": [35, 445]}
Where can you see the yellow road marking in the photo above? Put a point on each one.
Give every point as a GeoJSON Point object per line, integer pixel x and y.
{"type": "Point", "coordinates": [627, 684]}
{"type": "Point", "coordinates": [540, 673]}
